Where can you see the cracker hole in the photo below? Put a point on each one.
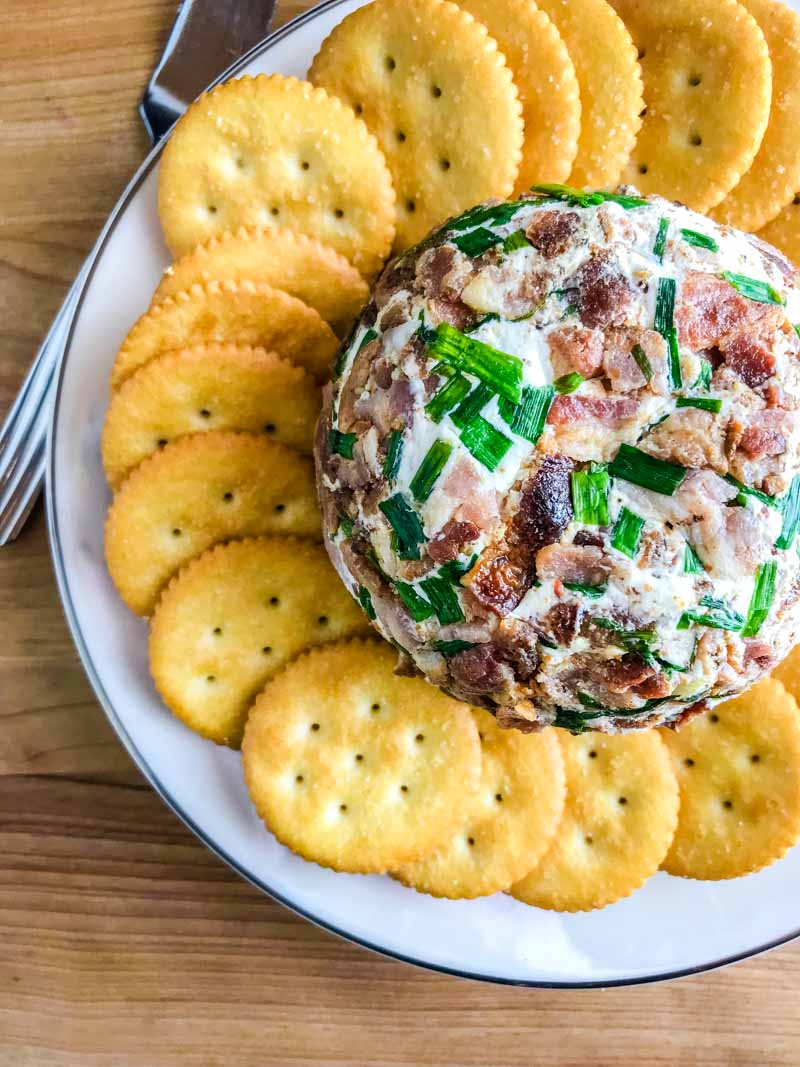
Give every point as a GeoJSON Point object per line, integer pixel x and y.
{"type": "Point", "coordinates": [358, 108]}
{"type": "Point", "coordinates": [391, 63]}
{"type": "Point", "coordinates": [444, 164]}
{"type": "Point", "coordinates": [274, 601]}
{"type": "Point", "coordinates": [299, 778]}
{"type": "Point", "coordinates": [695, 79]}
{"type": "Point", "coordinates": [266, 650]}
{"type": "Point", "coordinates": [375, 707]}
{"type": "Point", "coordinates": [796, 199]}
{"type": "Point", "coordinates": [359, 757]}
{"type": "Point", "coordinates": [589, 839]}
{"type": "Point", "coordinates": [419, 738]}
{"type": "Point", "coordinates": [270, 427]}
{"type": "Point", "coordinates": [713, 718]}
{"type": "Point", "coordinates": [305, 164]}
{"type": "Point", "coordinates": [338, 213]}
{"type": "Point", "coordinates": [688, 762]}
{"type": "Point", "coordinates": [400, 137]}
{"type": "Point", "coordinates": [315, 727]}
{"type": "Point", "coordinates": [211, 678]}
{"type": "Point", "coordinates": [727, 804]}
{"type": "Point", "coordinates": [323, 620]}
{"type": "Point", "coordinates": [161, 442]}
{"type": "Point", "coordinates": [593, 754]}
{"type": "Point", "coordinates": [274, 210]}
{"type": "Point", "coordinates": [755, 758]}
{"type": "Point", "coordinates": [217, 631]}
{"type": "Point", "coordinates": [240, 163]}
{"type": "Point", "coordinates": [212, 209]}
{"type": "Point", "coordinates": [623, 801]}
{"type": "Point", "coordinates": [342, 807]}
{"type": "Point", "coordinates": [204, 413]}
{"type": "Point", "coordinates": [695, 139]}
{"type": "Point", "coordinates": [411, 206]}
{"type": "Point", "coordinates": [643, 168]}
{"type": "Point", "coordinates": [403, 788]}
{"type": "Point", "coordinates": [176, 532]}
{"type": "Point", "coordinates": [470, 841]}
{"type": "Point", "coordinates": [436, 91]}
{"type": "Point", "coordinates": [499, 798]}
{"type": "Point", "coordinates": [227, 497]}
{"type": "Point", "coordinates": [280, 508]}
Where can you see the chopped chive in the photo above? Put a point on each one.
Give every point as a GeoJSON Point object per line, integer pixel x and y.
{"type": "Point", "coordinates": [642, 362]}
{"type": "Point", "coordinates": [476, 242]}
{"type": "Point", "coordinates": [527, 418]}
{"type": "Point", "coordinates": [496, 369]}
{"type": "Point", "coordinates": [344, 354]}
{"type": "Point", "coordinates": [574, 721]}
{"type": "Point", "coordinates": [429, 470]}
{"type": "Point", "coordinates": [446, 398]}
{"type": "Point", "coordinates": [761, 600]}
{"type": "Point", "coordinates": [444, 599]}
{"type": "Point", "coordinates": [426, 334]}
{"type": "Point", "coordinates": [455, 570]}
{"type": "Point", "coordinates": [796, 328]}
{"type": "Point", "coordinates": [365, 600]}
{"type": "Point", "coordinates": [472, 405]}
{"type": "Point", "coordinates": [408, 532]}
{"type": "Point", "coordinates": [623, 636]}
{"type": "Point", "coordinates": [746, 490]}
{"type": "Point", "coordinates": [490, 316]}
{"type": "Point", "coordinates": [341, 444]}
{"type": "Point", "coordinates": [594, 592]}
{"type": "Point", "coordinates": [665, 306]}
{"type": "Point", "coordinates": [485, 443]}
{"type": "Point", "coordinates": [587, 701]}
{"type": "Point", "coordinates": [753, 288]}
{"type": "Point", "coordinates": [394, 452]}
{"type": "Point", "coordinates": [632, 465]}
{"type": "Point", "coordinates": [692, 564]}
{"type": "Point", "coordinates": [703, 380]}
{"type": "Point", "coordinates": [568, 383]}
{"type": "Point", "coordinates": [660, 242]}
{"type": "Point", "coordinates": [699, 240]}
{"type": "Point", "coordinates": [580, 198]}
{"type": "Point", "coordinates": [452, 648]}
{"type": "Point", "coordinates": [495, 215]}
{"type": "Point", "coordinates": [674, 363]}
{"type": "Point", "coordinates": [718, 616]}
{"type": "Point", "coordinates": [443, 370]}
{"type": "Point", "coordinates": [704, 403]}
{"type": "Point", "coordinates": [590, 495]}
{"type": "Point", "coordinates": [627, 533]}
{"type": "Point", "coordinates": [791, 515]}
{"type": "Point", "coordinates": [418, 607]}
{"type": "Point", "coordinates": [515, 240]}
{"type": "Point", "coordinates": [345, 527]}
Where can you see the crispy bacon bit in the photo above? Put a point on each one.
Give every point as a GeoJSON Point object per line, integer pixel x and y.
{"type": "Point", "coordinates": [572, 563]}
{"type": "Point", "coordinates": [753, 362]}
{"type": "Point", "coordinates": [692, 438]}
{"type": "Point", "coordinates": [516, 641]}
{"type": "Point", "coordinates": [760, 653]}
{"type": "Point", "coordinates": [575, 348]}
{"type": "Point", "coordinates": [498, 583]}
{"type": "Point", "coordinates": [398, 275]}
{"type": "Point", "coordinates": [561, 622]}
{"type": "Point", "coordinates": [545, 506]}
{"type": "Point", "coordinates": [354, 385]}
{"type": "Point", "coordinates": [605, 297]}
{"type": "Point", "coordinates": [611, 411]}
{"type": "Point", "coordinates": [453, 312]}
{"type": "Point", "coordinates": [710, 313]}
{"type": "Point", "coordinates": [759, 441]}
{"type": "Point", "coordinates": [449, 542]}
{"type": "Point", "coordinates": [687, 715]}
{"type": "Point", "coordinates": [620, 675]}
{"type": "Point", "coordinates": [586, 537]}
{"type": "Point", "coordinates": [479, 670]}
{"type": "Point", "coordinates": [550, 232]}
{"type": "Point", "coordinates": [653, 688]}
{"type": "Point", "coordinates": [622, 369]}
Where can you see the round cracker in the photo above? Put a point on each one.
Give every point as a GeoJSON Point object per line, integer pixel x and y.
{"type": "Point", "coordinates": [738, 768]}
{"type": "Point", "coordinates": [610, 84]}
{"type": "Point", "coordinates": [546, 82]}
{"type": "Point", "coordinates": [233, 618]}
{"type": "Point", "coordinates": [788, 673]}
{"type": "Point", "coordinates": [707, 80]}
{"type": "Point", "coordinates": [784, 230]}
{"type": "Point", "coordinates": [774, 175]}
{"type": "Point", "coordinates": [512, 817]}
{"type": "Point", "coordinates": [243, 312]}
{"type": "Point", "coordinates": [210, 387]}
{"type": "Point", "coordinates": [619, 819]}
{"type": "Point", "coordinates": [276, 151]}
{"type": "Point", "coordinates": [432, 86]}
{"type": "Point", "coordinates": [299, 265]}
{"type": "Point", "coordinates": [356, 768]}
{"type": "Point", "coordinates": [203, 489]}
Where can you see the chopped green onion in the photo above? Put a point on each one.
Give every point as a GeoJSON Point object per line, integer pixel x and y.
{"type": "Point", "coordinates": [446, 398]}
{"type": "Point", "coordinates": [580, 198]}
{"type": "Point", "coordinates": [443, 370]}
{"type": "Point", "coordinates": [791, 515]}
{"type": "Point", "coordinates": [632, 465]}
{"type": "Point", "coordinates": [394, 451]}
{"type": "Point", "coordinates": [703, 380]}
{"type": "Point", "coordinates": [665, 306]}
{"type": "Point", "coordinates": [746, 490]}
{"type": "Point", "coordinates": [660, 242]}
{"type": "Point", "coordinates": [692, 564]}
{"type": "Point", "coordinates": [345, 527]}
{"type": "Point", "coordinates": [408, 532]}
{"type": "Point", "coordinates": [472, 405]}
{"type": "Point", "coordinates": [418, 607]}
{"type": "Point", "coordinates": [761, 600]}
{"type": "Point", "coordinates": [796, 328]}
{"type": "Point", "coordinates": [515, 240]}
{"type": "Point", "coordinates": [699, 240]}
{"type": "Point", "coordinates": [485, 443]}
{"type": "Point", "coordinates": [426, 334]}
{"type": "Point", "coordinates": [627, 533]}
{"type": "Point", "coordinates": [429, 470]}
{"type": "Point", "coordinates": [527, 418]}
{"type": "Point", "coordinates": [444, 598]}
{"type": "Point", "coordinates": [718, 616]}
{"type": "Point", "coordinates": [753, 288]}
{"type": "Point", "coordinates": [341, 444]}
{"type": "Point", "coordinates": [675, 373]}
{"type": "Point", "coordinates": [490, 316]}
{"type": "Point", "coordinates": [365, 600]}
{"type": "Point", "coordinates": [642, 362]}
{"type": "Point", "coordinates": [452, 648]}
{"type": "Point", "coordinates": [497, 369]}
{"type": "Point", "coordinates": [476, 242]}
{"type": "Point", "coordinates": [638, 641]}
{"type": "Point", "coordinates": [574, 721]}
{"type": "Point", "coordinates": [704, 403]}
{"type": "Point", "coordinates": [590, 495]}
{"type": "Point", "coordinates": [344, 354]}
{"type": "Point", "coordinates": [495, 215]}
{"type": "Point", "coordinates": [594, 592]}
{"type": "Point", "coordinates": [454, 571]}
{"type": "Point", "coordinates": [568, 383]}
{"type": "Point", "coordinates": [587, 700]}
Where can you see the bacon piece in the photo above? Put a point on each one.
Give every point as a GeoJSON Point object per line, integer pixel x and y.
{"type": "Point", "coordinates": [354, 385]}
{"type": "Point", "coordinates": [622, 369]}
{"type": "Point", "coordinates": [449, 542]}
{"type": "Point", "coordinates": [550, 232]}
{"type": "Point", "coordinates": [758, 441]}
{"type": "Point", "coordinates": [575, 348]}
{"type": "Point", "coordinates": [611, 411]}
{"type": "Point", "coordinates": [479, 671]}
{"type": "Point", "coordinates": [399, 274]}
{"type": "Point", "coordinates": [753, 362]}
{"type": "Point", "coordinates": [586, 537]}
{"type": "Point", "coordinates": [561, 622]}
{"type": "Point", "coordinates": [605, 296]}
{"type": "Point", "coordinates": [760, 653]}
{"type": "Point", "coordinates": [545, 506]}
{"type": "Point", "coordinates": [692, 438]}
{"type": "Point", "coordinates": [498, 582]}
{"type": "Point", "coordinates": [710, 313]}
{"type": "Point", "coordinates": [620, 675]}
{"type": "Point", "coordinates": [478, 502]}
{"type": "Point", "coordinates": [734, 541]}
{"type": "Point", "coordinates": [572, 563]}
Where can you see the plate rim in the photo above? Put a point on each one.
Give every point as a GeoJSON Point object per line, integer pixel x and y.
{"type": "Point", "coordinates": [106, 704]}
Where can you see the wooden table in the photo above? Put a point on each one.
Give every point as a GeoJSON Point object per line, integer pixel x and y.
{"type": "Point", "coordinates": [122, 940]}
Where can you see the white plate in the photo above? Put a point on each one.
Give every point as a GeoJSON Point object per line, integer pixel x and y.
{"type": "Point", "coordinates": [670, 927]}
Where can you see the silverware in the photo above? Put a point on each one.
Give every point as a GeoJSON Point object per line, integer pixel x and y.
{"type": "Point", "coordinates": [206, 38]}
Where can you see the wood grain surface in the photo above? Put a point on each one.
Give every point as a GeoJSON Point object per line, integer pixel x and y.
{"type": "Point", "coordinates": [122, 940]}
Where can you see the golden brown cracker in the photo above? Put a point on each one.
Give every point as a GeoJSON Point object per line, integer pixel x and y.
{"type": "Point", "coordinates": [738, 768]}
{"type": "Point", "coordinates": [210, 387]}
{"type": "Point", "coordinates": [546, 82]}
{"type": "Point", "coordinates": [784, 230]}
{"type": "Point", "coordinates": [619, 818]}
{"type": "Point", "coordinates": [356, 768]}
{"type": "Point", "coordinates": [788, 673]}
{"type": "Point", "coordinates": [275, 151]}
{"type": "Point", "coordinates": [235, 616]}
{"type": "Point", "coordinates": [511, 818]}
{"type": "Point", "coordinates": [774, 174]}
{"type": "Point", "coordinates": [610, 84]}
{"type": "Point", "coordinates": [203, 489]}
{"type": "Point", "coordinates": [707, 87]}
{"type": "Point", "coordinates": [434, 89]}
{"type": "Point", "coordinates": [301, 266]}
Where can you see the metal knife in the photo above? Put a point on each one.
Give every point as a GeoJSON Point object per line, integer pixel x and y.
{"type": "Point", "coordinates": [206, 38]}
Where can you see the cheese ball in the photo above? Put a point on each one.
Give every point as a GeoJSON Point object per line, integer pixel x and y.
{"type": "Point", "coordinates": [558, 461]}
